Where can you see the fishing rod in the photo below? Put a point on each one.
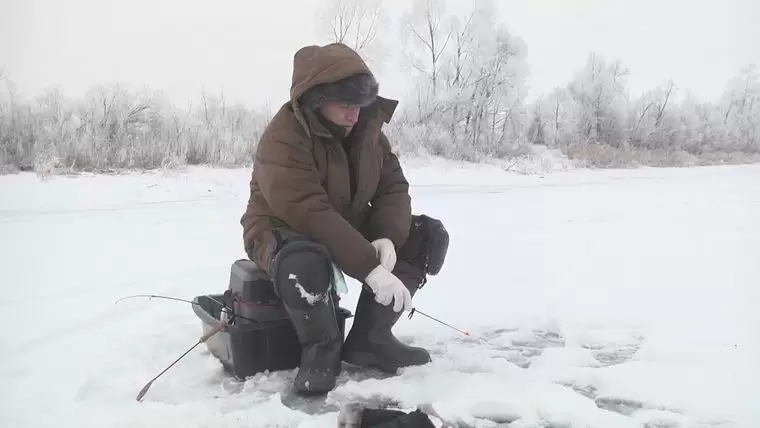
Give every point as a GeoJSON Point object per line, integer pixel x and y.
{"type": "Point", "coordinates": [223, 320]}
{"type": "Point", "coordinates": [417, 311]}
{"type": "Point", "coordinates": [225, 309]}
{"type": "Point", "coordinates": [156, 296]}
{"type": "Point", "coordinates": [219, 327]}
{"type": "Point", "coordinates": [226, 315]}
{"type": "Point", "coordinates": [222, 306]}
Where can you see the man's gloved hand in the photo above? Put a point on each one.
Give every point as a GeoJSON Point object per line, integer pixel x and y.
{"type": "Point", "coordinates": [386, 252]}
{"type": "Point", "coordinates": [387, 287]}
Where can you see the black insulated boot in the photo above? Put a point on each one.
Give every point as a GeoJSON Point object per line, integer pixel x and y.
{"type": "Point", "coordinates": [371, 342]}
{"type": "Point", "coordinates": [320, 340]}
{"type": "Point", "coordinates": [303, 279]}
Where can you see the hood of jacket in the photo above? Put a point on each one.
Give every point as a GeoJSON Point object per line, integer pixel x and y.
{"type": "Point", "coordinates": [317, 65]}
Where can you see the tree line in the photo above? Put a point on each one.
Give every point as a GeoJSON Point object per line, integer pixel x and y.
{"type": "Point", "coordinates": [467, 102]}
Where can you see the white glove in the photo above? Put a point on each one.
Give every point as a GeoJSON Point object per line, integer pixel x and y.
{"type": "Point", "coordinates": [386, 252]}
{"type": "Point", "coordinates": [387, 287]}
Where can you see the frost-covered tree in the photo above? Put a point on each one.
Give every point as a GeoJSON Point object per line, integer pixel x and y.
{"type": "Point", "coordinates": [741, 106]}
{"type": "Point", "coordinates": [701, 127]}
{"type": "Point", "coordinates": [537, 128]}
{"type": "Point", "coordinates": [359, 24]}
{"type": "Point", "coordinates": [499, 91]}
{"type": "Point", "coordinates": [471, 81]}
{"type": "Point", "coordinates": [427, 33]}
{"type": "Point", "coordinates": [599, 91]}
{"type": "Point", "coordinates": [653, 119]}
{"type": "Point", "coordinates": [556, 112]}
{"type": "Point", "coordinates": [467, 102]}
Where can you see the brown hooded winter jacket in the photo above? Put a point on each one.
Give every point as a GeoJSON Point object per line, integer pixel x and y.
{"type": "Point", "coordinates": [302, 179]}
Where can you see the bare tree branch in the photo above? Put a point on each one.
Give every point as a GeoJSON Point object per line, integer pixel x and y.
{"type": "Point", "coordinates": [661, 110]}
{"type": "Point", "coordinates": [424, 25]}
{"type": "Point", "coordinates": [357, 24]}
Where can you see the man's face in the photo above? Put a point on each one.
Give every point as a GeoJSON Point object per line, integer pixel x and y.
{"type": "Point", "coordinates": [342, 114]}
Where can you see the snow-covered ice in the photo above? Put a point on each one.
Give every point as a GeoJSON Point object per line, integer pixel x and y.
{"type": "Point", "coordinates": [617, 298]}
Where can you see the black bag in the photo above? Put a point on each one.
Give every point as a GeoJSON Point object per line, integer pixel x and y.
{"type": "Point", "coordinates": [386, 418]}
{"type": "Point", "coordinates": [383, 418]}
{"type": "Point", "coordinates": [427, 244]}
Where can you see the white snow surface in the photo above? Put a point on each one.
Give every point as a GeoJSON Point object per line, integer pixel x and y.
{"type": "Point", "coordinates": [612, 298]}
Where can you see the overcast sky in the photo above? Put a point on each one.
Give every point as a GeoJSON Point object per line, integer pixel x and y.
{"type": "Point", "coordinates": [246, 47]}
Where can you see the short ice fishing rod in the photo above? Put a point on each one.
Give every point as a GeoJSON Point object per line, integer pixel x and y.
{"type": "Point", "coordinates": [225, 311]}
{"type": "Point", "coordinates": [417, 311]}
{"type": "Point", "coordinates": [219, 327]}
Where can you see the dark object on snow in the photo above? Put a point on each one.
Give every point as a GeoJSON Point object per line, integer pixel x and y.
{"type": "Point", "coordinates": [385, 418]}
{"type": "Point", "coordinates": [354, 416]}
{"type": "Point", "coordinates": [244, 347]}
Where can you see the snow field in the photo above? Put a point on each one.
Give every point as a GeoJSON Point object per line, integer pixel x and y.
{"type": "Point", "coordinates": [594, 299]}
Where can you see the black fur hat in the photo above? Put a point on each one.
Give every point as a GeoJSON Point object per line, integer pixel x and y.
{"type": "Point", "coordinates": [358, 89]}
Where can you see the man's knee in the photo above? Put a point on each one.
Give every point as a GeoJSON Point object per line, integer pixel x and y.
{"type": "Point", "coordinates": [302, 271]}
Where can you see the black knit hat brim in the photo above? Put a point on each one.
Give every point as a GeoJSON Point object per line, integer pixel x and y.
{"type": "Point", "coordinates": [358, 90]}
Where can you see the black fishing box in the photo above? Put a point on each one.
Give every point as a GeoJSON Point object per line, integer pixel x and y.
{"type": "Point", "coordinates": [262, 337]}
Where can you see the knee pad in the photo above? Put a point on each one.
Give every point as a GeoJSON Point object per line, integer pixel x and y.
{"type": "Point", "coordinates": [427, 245]}
{"type": "Point", "coordinates": [302, 274]}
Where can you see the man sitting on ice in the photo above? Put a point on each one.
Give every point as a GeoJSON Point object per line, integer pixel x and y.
{"type": "Point", "coordinates": [326, 190]}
